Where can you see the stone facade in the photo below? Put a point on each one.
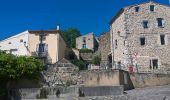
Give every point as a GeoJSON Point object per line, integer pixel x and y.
{"type": "Point", "coordinates": [60, 73]}
{"type": "Point", "coordinates": [105, 50]}
{"type": "Point", "coordinates": [87, 41]}
{"type": "Point", "coordinates": [140, 37]}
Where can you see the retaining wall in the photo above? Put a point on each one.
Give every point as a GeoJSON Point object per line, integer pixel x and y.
{"type": "Point", "coordinates": [145, 80]}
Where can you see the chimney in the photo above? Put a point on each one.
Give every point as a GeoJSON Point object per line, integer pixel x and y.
{"type": "Point", "coordinates": [58, 27]}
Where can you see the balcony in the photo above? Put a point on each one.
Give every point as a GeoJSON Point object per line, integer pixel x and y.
{"type": "Point", "coordinates": [42, 50]}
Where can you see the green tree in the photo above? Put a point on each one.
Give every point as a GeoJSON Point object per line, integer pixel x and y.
{"type": "Point", "coordinates": [70, 36]}
{"type": "Point", "coordinates": [80, 64]}
{"type": "Point", "coordinates": [13, 68]}
{"type": "Point", "coordinates": [96, 60]}
{"type": "Point", "coordinates": [16, 67]}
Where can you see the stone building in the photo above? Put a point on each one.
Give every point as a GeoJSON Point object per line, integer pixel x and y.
{"type": "Point", "coordinates": [105, 50]}
{"type": "Point", "coordinates": [141, 37]}
{"type": "Point", "coordinates": [88, 41]}
{"type": "Point", "coordinates": [47, 44]}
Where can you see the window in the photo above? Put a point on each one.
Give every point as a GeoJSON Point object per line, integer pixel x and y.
{"type": "Point", "coordinates": [142, 41]}
{"type": "Point", "coordinates": [41, 47]}
{"type": "Point", "coordinates": [145, 24]}
{"type": "Point", "coordinates": [21, 40]}
{"type": "Point", "coordinates": [84, 39]}
{"type": "Point", "coordinates": [136, 9]}
{"type": "Point", "coordinates": [42, 38]}
{"type": "Point", "coordinates": [152, 7]}
{"type": "Point", "coordinates": [154, 64]}
{"type": "Point", "coordinates": [150, 64]}
{"type": "Point", "coordinates": [162, 39]}
{"type": "Point", "coordinates": [13, 51]}
{"type": "Point", "coordinates": [115, 44]}
{"type": "Point", "coordinates": [84, 46]}
{"type": "Point", "coordinates": [160, 22]}
{"type": "Point", "coordinates": [124, 42]}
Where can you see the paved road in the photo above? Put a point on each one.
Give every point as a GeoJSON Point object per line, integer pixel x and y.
{"type": "Point", "coordinates": [149, 93]}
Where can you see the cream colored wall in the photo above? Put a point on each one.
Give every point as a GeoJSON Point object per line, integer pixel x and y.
{"type": "Point", "coordinates": [33, 41]}
{"type": "Point", "coordinates": [61, 48]}
{"type": "Point", "coordinates": [16, 44]}
{"type": "Point", "coordinates": [56, 45]}
{"type": "Point", "coordinates": [52, 41]}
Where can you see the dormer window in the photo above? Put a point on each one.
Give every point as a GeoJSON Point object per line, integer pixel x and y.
{"type": "Point", "coordinates": [136, 9]}
{"type": "Point", "coordinates": [152, 7]}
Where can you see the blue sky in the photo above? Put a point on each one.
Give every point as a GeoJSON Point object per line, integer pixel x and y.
{"type": "Point", "coordinates": [86, 15]}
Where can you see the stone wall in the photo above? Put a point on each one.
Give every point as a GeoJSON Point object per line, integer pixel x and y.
{"type": "Point", "coordinates": [105, 49]}
{"type": "Point", "coordinates": [106, 78]}
{"type": "Point", "coordinates": [94, 80]}
{"type": "Point", "coordinates": [87, 57]}
{"type": "Point", "coordinates": [128, 28]}
{"type": "Point", "coordinates": [24, 93]}
{"type": "Point", "coordinates": [119, 77]}
{"type": "Point", "coordinates": [145, 80]}
{"type": "Point", "coordinates": [88, 40]}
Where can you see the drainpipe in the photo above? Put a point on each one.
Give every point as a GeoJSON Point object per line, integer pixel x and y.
{"type": "Point", "coordinates": [112, 46]}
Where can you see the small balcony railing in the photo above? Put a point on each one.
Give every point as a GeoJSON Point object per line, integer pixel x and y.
{"type": "Point", "coordinates": [42, 50]}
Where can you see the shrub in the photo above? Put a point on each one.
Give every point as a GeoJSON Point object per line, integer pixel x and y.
{"type": "Point", "coordinates": [80, 64]}
{"type": "Point", "coordinates": [69, 82]}
{"type": "Point", "coordinates": [81, 94]}
{"type": "Point", "coordinates": [86, 51]}
{"type": "Point", "coordinates": [43, 94]}
{"type": "Point", "coordinates": [58, 93]}
{"type": "Point", "coordinates": [96, 60]}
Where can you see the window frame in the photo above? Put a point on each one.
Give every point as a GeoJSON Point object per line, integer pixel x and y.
{"type": "Point", "coordinates": [162, 42]}
{"type": "Point", "coordinates": [145, 24]}
{"type": "Point", "coordinates": [137, 8]}
{"type": "Point", "coordinates": [116, 44]}
{"type": "Point", "coordinates": [152, 8]}
{"type": "Point", "coordinates": [160, 22]}
{"type": "Point", "coordinates": [142, 41]}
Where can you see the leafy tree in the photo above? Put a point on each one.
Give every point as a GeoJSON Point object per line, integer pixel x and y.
{"type": "Point", "coordinates": [13, 68]}
{"type": "Point", "coordinates": [96, 60]}
{"type": "Point", "coordinates": [16, 67]}
{"type": "Point", "coordinates": [70, 36]}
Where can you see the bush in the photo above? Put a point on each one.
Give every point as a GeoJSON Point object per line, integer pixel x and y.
{"type": "Point", "coordinates": [80, 64]}
{"type": "Point", "coordinates": [43, 94]}
{"type": "Point", "coordinates": [86, 51]}
{"type": "Point", "coordinates": [96, 60]}
{"type": "Point", "coordinates": [69, 82]}
{"type": "Point", "coordinates": [81, 94]}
